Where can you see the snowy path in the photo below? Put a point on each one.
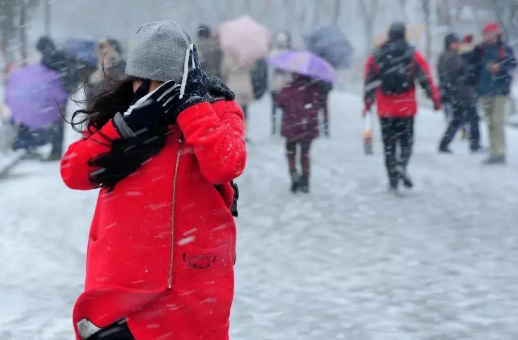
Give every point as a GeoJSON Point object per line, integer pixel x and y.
{"type": "Point", "coordinates": [347, 262]}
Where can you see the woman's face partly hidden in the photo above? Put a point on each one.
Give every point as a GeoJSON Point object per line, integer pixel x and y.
{"type": "Point", "coordinates": [152, 86]}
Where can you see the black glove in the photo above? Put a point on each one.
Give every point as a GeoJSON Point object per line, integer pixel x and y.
{"type": "Point", "coordinates": [193, 90]}
{"type": "Point", "coordinates": [152, 111]}
{"type": "Point", "coordinates": [217, 89]}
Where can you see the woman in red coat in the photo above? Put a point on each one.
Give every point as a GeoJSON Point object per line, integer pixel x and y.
{"type": "Point", "coordinates": [162, 242]}
{"type": "Point", "coordinates": [301, 101]}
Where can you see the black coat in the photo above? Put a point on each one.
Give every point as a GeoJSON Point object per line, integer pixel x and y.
{"type": "Point", "coordinates": [456, 79]}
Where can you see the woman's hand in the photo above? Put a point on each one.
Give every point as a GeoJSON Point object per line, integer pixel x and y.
{"type": "Point", "coordinates": [193, 90]}
{"type": "Point", "coordinates": [151, 109]}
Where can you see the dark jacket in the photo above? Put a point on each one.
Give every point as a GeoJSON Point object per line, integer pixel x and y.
{"type": "Point", "coordinates": [454, 74]}
{"type": "Point", "coordinates": [496, 84]}
{"type": "Point", "coordinates": [301, 100]}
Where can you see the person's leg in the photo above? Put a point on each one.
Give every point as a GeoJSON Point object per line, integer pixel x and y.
{"type": "Point", "coordinates": [56, 136]}
{"type": "Point", "coordinates": [487, 107]}
{"type": "Point", "coordinates": [406, 140]}
{"type": "Point", "coordinates": [291, 156]}
{"type": "Point", "coordinates": [389, 145]}
{"type": "Point", "coordinates": [474, 130]}
{"type": "Point", "coordinates": [275, 94]}
{"type": "Point", "coordinates": [499, 105]}
{"type": "Point", "coordinates": [326, 115]}
{"type": "Point", "coordinates": [453, 126]}
{"type": "Point", "coordinates": [305, 162]}
{"type": "Point", "coordinates": [406, 143]}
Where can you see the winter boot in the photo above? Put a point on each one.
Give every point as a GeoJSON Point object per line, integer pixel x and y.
{"type": "Point", "coordinates": [445, 149]}
{"type": "Point", "coordinates": [403, 174]}
{"type": "Point", "coordinates": [304, 184]}
{"type": "Point", "coordinates": [295, 182]}
{"type": "Point", "coordinates": [495, 160]}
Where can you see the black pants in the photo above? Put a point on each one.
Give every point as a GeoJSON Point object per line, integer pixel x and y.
{"type": "Point", "coordinates": [461, 116]}
{"type": "Point", "coordinates": [398, 139]}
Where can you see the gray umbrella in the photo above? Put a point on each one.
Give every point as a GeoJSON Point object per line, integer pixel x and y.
{"type": "Point", "coordinates": [329, 43]}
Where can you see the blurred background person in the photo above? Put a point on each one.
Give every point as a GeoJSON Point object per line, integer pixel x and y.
{"type": "Point", "coordinates": [37, 95]}
{"type": "Point", "coordinates": [390, 76]}
{"type": "Point", "coordinates": [238, 77]}
{"type": "Point", "coordinates": [456, 90]}
{"type": "Point", "coordinates": [282, 42]}
{"type": "Point", "coordinates": [110, 70]}
{"type": "Point", "coordinates": [301, 101]}
{"type": "Point", "coordinates": [497, 61]}
{"type": "Point", "coordinates": [209, 50]}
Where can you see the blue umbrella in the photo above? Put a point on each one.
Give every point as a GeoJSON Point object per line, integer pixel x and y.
{"type": "Point", "coordinates": [329, 43]}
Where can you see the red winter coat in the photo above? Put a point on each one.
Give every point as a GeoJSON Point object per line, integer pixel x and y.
{"type": "Point", "coordinates": [404, 104]}
{"type": "Point", "coordinates": [162, 244]}
{"type": "Point", "coordinates": [301, 100]}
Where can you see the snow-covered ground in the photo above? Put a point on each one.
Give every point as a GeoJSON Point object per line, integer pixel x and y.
{"type": "Point", "coordinates": [349, 261]}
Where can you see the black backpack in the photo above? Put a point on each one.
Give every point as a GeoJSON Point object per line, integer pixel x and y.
{"type": "Point", "coordinates": [396, 70]}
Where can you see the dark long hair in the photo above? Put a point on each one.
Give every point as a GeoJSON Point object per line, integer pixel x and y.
{"type": "Point", "coordinates": [126, 155]}
{"type": "Point", "coordinates": [98, 110]}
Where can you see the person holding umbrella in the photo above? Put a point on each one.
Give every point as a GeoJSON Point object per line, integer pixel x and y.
{"type": "Point", "coordinates": [301, 100]}
{"type": "Point", "coordinates": [278, 78]}
{"type": "Point", "coordinates": [390, 75]}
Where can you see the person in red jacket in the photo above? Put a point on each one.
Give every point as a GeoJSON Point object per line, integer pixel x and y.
{"type": "Point", "coordinates": [163, 148]}
{"type": "Point", "coordinates": [390, 75]}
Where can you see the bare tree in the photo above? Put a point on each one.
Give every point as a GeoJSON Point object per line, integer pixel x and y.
{"type": "Point", "coordinates": [368, 11]}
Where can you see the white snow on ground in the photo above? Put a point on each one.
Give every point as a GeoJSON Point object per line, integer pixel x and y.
{"type": "Point", "coordinates": [349, 261]}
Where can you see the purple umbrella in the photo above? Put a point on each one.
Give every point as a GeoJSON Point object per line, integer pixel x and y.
{"type": "Point", "coordinates": [305, 63]}
{"type": "Point", "coordinates": [35, 96]}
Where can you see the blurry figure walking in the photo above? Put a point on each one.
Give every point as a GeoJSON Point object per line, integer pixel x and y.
{"type": "Point", "coordinates": [36, 96]}
{"type": "Point", "coordinates": [497, 61]}
{"type": "Point", "coordinates": [458, 92]}
{"type": "Point", "coordinates": [210, 52]}
{"type": "Point", "coordinates": [110, 70]}
{"type": "Point", "coordinates": [244, 42]}
{"type": "Point", "coordinates": [301, 101]}
{"type": "Point", "coordinates": [278, 78]}
{"type": "Point", "coordinates": [66, 67]}
{"type": "Point", "coordinates": [390, 75]}
{"type": "Point", "coordinates": [238, 78]}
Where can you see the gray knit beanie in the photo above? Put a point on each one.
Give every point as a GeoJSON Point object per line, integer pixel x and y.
{"type": "Point", "coordinates": [158, 52]}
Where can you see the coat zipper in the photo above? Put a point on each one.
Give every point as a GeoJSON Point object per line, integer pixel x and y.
{"type": "Point", "coordinates": [175, 179]}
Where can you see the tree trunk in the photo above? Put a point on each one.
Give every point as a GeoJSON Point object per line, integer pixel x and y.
{"type": "Point", "coordinates": [23, 33]}
{"type": "Point", "coordinates": [47, 17]}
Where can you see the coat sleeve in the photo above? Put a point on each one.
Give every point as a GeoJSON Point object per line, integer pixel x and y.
{"type": "Point", "coordinates": [75, 170]}
{"type": "Point", "coordinates": [371, 82]}
{"type": "Point", "coordinates": [283, 97]}
{"type": "Point", "coordinates": [424, 76]}
{"type": "Point", "coordinates": [509, 62]}
{"type": "Point", "coordinates": [216, 133]}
